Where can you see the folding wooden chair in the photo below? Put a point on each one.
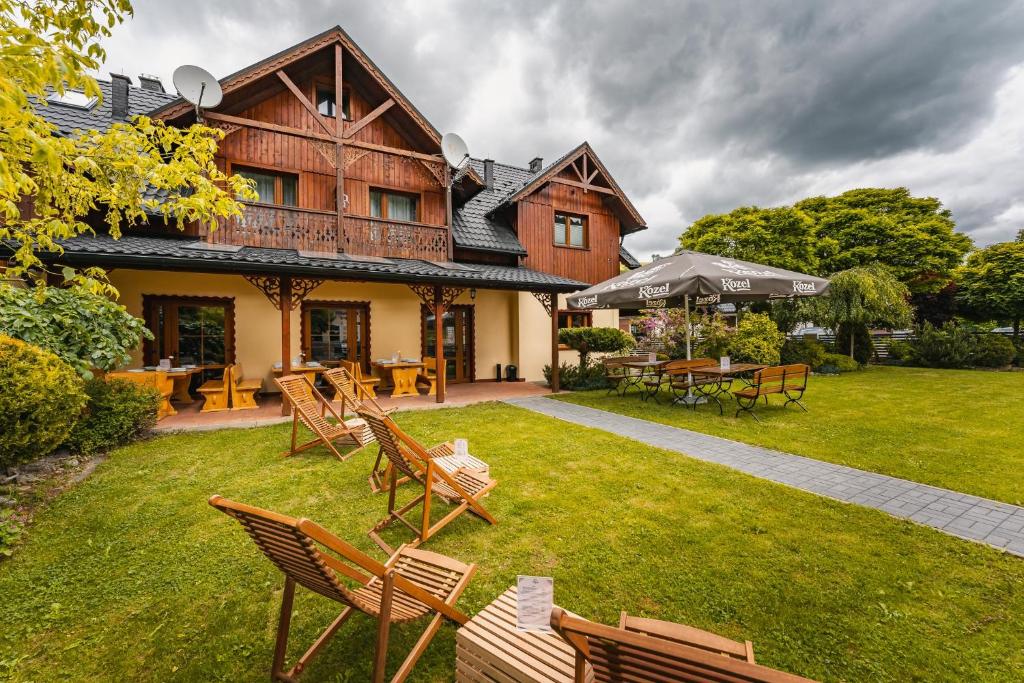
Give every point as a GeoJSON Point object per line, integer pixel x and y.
{"type": "Point", "coordinates": [311, 408]}
{"type": "Point", "coordinates": [411, 584]}
{"type": "Point", "coordinates": [651, 650]}
{"type": "Point", "coordinates": [350, 394]}
{"type": "Point", "coordinates": [457, 481]}
{"type": "Point", "coordinates": [367, 385]}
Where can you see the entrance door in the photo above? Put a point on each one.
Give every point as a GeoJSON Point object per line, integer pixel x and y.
{"type": "Point", "coordinates": [457, 327]}
{"type": "Point", "coordinates": [333, 331]}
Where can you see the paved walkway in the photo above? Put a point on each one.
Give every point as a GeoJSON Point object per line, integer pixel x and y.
{"type": "Point", "coordinates": [959, 514]}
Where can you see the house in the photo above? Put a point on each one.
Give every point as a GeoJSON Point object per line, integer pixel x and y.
{"type": "Point", "coordinates": [355, 243]}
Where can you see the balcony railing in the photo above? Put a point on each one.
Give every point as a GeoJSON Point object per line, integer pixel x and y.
{"type": "Point", "coordinates": [280, 227]}
{"type": "Point", "coordinates": [288, 227]}
{"type": "Point", "coordinates": [396, 239]}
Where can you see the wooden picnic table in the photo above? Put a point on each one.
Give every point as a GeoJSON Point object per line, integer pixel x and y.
{"type": "Point", "coordinates": [720, 379]}
{"type": "Point", "coordinates": [181, 377]}
{"type": "Point", "coordinates": [402, 373]}
{"type": "Point", "coordinates": [489, 648]}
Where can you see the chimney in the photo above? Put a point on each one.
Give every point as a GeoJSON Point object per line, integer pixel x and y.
{"type": "Point", "coordinates": [536, 164]}
{"type": "Point", "coordinates": [489, 173]}
{"type": "Point", "coordinates": [119, 84]}
{"type": "Point", "coordinates": [153, 83]}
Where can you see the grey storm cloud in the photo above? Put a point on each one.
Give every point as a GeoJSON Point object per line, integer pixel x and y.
{"type": "Point", "coordinates": [696, 107]}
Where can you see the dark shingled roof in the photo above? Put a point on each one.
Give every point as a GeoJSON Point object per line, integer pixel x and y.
{"type": "Point", "coordinates": [68, 119]}
{"type": "Point", "coordinates": [472, 228]}
{"type": "Point", "coordinates": [628, 259]}
{"type": "Point", "coordinates": [165, 253]}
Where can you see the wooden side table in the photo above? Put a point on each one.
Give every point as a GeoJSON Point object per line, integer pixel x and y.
{"type": "Point", "coordinates": [489, 649]}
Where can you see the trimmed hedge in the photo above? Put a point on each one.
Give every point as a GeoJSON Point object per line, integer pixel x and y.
{"type": "Point", "coordinates": [118, 412]}
{"type": "Point", "coordinates": [41, 399]}
{"type": "Point", "coordinates": [838, 362]}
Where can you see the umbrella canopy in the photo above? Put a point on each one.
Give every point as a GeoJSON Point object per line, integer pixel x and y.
{"type": "Point", "coordinates": [702, 279]}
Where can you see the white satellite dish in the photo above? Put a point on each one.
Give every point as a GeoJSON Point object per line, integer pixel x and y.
{"type": "Point", "coordinates": [198, 86]}
{"type": "Point", "coordinates": [454, 150]}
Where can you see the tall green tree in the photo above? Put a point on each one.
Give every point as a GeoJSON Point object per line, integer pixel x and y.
{"type": "Point", "coordinates": [991, 283]}
{"type": "Point", "coordinates": [49, 46]}
{"type": "Point", "coordinates": [782, 237]}
{"type": "Point", "coordinates": [861, 297]}
{"type": "Point", "coordinates": [914, 237]}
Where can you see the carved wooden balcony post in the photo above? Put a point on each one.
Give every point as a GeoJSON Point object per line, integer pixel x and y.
{"type": "Point", "coordinates": [550, 303]}
{"type": "Point", "coordinates": [440, 368]}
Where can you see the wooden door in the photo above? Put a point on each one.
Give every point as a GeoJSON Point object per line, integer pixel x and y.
{"type": "Point", "coordinates": [336, 330]}
{"type": "Point", "coordinates": [458, 332]}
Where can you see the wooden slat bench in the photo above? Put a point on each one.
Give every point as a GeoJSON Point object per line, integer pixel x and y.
{"type": "Point", "coordinates": [243, 391]}
{"type": "Point", "coordinates": [489, 649]}
{"type": "Point", "coordinates": [787, 380]}
{"type": "Point", "coordinates": [215, 393]}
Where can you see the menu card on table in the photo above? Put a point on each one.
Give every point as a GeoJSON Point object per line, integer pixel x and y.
{"type": "Point", "coordinates": [536, 596]}
{"type": "Point", "coordinates": [724, 362]}
{"type": "Point", "coordinates": [461, 447]}
{"type": "Point", "coordinates": [165, 364]}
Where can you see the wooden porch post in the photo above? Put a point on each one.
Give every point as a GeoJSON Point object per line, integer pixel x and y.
{"type": "Point", "coordinates": [555, 379]}
{"type": "Point", "coordinates": [439, 342]}
{"type": "Point", "coordinates": [286, 335]}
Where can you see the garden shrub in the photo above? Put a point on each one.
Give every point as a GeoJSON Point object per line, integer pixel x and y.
{"type": "Point", "coordinates": [901, 349]}
{"type": "Point", "coordinates": [946, 347]}
{"type": "Point", "coordinates": [118, 412]}
{"type": "Point", "coordinates": [992, 351]}
{"type": "Point", "coordinates": [807, 351]}
{"type": "Point", "coordinates": [587, 340]}
{"type": "Point", "coordinates": [715, 337]}
{"type": "Point", "coordinates": [757, 340]}
{"type": "Point", "coordinates": [839, 362]}
{"type": "Point", "coordinates": [863, 350]}
{"type": "Point", "coordinates": [572, 378]}
{"type": "Point", "coordinates": [41, 398]}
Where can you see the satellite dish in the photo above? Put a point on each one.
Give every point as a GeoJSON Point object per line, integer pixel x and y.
{"type": "Point", "coordinates": [454, 150]}
{"type": "Point", "coordinates": [198, 86]}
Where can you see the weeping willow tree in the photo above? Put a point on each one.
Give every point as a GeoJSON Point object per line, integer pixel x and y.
{"type": "Point", "coordinates": [861, 297]}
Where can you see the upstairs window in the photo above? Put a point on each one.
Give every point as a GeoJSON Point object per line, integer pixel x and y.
{"type": "Point", "coordinates": [396, 206]}
{"type": "Point", "coordinates": [326, 105]}
{"type": "Point", "coordinates": [570, 230]}
{"type": "Point", "coordinates": [273, 187]}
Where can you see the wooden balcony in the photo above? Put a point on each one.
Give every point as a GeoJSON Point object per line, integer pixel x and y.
{"type": "Point", "coordinates": [289, 227]}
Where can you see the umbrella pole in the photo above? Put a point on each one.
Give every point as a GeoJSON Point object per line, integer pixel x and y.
{"type": "Point", "coordinates": [690, 398]}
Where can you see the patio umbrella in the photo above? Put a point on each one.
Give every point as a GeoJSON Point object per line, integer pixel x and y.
{"type": "Point", "coordinates": [704, 279]}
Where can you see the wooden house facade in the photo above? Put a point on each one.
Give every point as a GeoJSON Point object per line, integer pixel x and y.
{"type": "Point", "coordinates": [356, 249]}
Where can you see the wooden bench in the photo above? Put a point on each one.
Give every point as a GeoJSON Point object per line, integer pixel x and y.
{"type": "Point", "coordinates": [216, 393]}
{"type": "Point", "coordinates": [616, 373]}
{"type": "Point", "coordinates": [243, 391]}
{"type": "Point", "coordinates": [786, 380]}
{"type": "Point", "coordinates": [428, 378]}
{"type": "Point", "coordinates": [676, 374]}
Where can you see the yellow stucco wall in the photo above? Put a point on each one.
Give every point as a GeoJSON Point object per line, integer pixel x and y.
{"type": "Point", "coordinates": [533, 335]}
{"type": "Point", "coordinates": [394, 316]}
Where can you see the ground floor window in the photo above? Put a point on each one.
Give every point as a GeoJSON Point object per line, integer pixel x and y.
{"type": "Point", "coordinates": [190, 330]}
{"type": "Point", "coordinates": [457, 331]}
{"type": "Point", "coordinates": [575, 319]}
{"type": "Point", "coordinates": [333, 331]}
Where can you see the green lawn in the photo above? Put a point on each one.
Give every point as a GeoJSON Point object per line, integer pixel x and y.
{"type": "Point", "coordinates": [958, 429]}
{"type": "Point", "coordinates": [132, 576]}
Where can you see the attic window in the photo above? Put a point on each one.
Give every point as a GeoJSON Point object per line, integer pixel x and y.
{"type": "Point", "coordinates": [72, 98]}
{"type": "Point", "coordinates": [325, 103]}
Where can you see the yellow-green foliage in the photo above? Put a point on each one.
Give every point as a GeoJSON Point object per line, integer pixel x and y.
{"type": "Point", "coordinates": [41, 398]}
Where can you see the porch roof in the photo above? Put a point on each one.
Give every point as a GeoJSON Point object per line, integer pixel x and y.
{"type": "Point", "coordinates": [164, 253]}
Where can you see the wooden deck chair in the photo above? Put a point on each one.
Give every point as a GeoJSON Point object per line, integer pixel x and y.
{"type": "Point", "coordinates": [347, 392]}
{"type": "Point", "coordinates": [311, 408]}
{"type": "Point", "coordinates": [410, 585]}
{"type": "Point", "coordinates": [367, 385]}
{"type": "Point", "coordinates": [658, 651]}
{"type": "Point", "coordinates": [688, 635]}
{"type": "Point", "coordinates": [438, 474]}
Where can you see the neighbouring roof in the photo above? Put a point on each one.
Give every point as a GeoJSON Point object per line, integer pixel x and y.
{"type": "Point", "coordinates": [167, 253]}
{"type": "Point", "coordinates": [627, 258]}
{"type": "Point", "coordinates": [69, 118]}
{"type": "Point", "coordinates": [474, 228]}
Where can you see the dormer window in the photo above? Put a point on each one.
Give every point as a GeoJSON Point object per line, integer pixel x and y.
{"type": "Point", "coordinates": [72, 98]}
{"type": "Point", "coordinates": [570, 231]}
{"type": "Point", "coordinates": [325, 103]}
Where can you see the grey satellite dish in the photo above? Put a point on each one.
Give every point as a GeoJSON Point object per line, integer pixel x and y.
{"type": "Point", "coordinates": [198, 86]}
{"type": "Point", "coordinates": [454, 150]}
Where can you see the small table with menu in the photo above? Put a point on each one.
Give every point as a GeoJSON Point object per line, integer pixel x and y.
{"type": "Point", "coordinates": [403, 375]}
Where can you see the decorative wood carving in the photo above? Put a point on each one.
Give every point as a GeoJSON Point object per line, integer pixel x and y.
{"type": "Point", "coordinates": [436, 169]}
{"type": "Point", "coordinates": [354, 154]}
{"type": "Point", "coordinates": [426, 295]}
{"type": "Point", "coordinates": [326, 150]}
{"type": "Point", "coordinates": [228, 128]}
{"type": "Point", "coordinates": [545, 300]}
{"type": "Point", "coordinates": [270, 285]}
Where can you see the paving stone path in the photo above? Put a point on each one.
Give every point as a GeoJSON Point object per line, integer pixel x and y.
{"type": "Point", "coordinates": [959, 514]}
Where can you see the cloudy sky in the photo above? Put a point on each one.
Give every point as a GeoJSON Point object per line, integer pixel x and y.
{"type": "Point", "coordinates": [696, 107]}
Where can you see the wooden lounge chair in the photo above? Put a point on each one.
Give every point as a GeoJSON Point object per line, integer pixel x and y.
{"type": "Point", "coordinates": [651, 650]}
{"type": "Point", "coordinates": [456, 481]}
{"type": "Point", "coordinates": [347, 392]}
{"type": "Point", "coordinates": [159, 381]}
{"type": "Point", "coordinates": [311, 408]}
{"type": "Point", "coordinates": [366, 384]}
{"type": "Point", "coordinates": [215, 393]}
{"type": "Point", "coordinates": [410, 585]}
{"type": "Point", "coordinates": [243, 391]}
{"type": "Point", "coordinates": [786, 380]}
{"type": "Point", "coordinates": [428, 378]}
